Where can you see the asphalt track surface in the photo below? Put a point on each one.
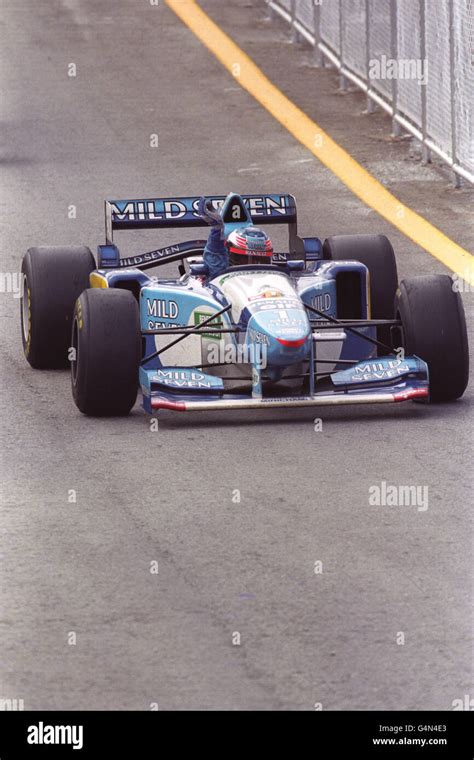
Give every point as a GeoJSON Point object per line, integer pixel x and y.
{"type": "Point", "coordinates": [167, 496]}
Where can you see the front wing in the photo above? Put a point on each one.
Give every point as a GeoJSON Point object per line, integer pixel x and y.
{"type": "Point", "coordinates": [379, 381]}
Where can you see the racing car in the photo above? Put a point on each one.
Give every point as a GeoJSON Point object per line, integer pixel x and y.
{"type": "Point", "coordinates": [323, 323]}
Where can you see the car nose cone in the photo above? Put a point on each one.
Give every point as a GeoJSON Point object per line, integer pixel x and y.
{"type": "Point", "coordinates": [283, 335]}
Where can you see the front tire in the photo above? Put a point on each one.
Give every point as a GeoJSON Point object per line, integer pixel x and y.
{"type": "Point", "coordinates": [106, 339]}
{"type": "Point", "coordinates": [434, 328]}
{"type": "Point", "coordinates": [53, 278]}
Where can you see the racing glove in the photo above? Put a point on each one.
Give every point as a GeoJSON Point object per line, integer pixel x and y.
{"type": "Point", "coordinates": [210, 214]}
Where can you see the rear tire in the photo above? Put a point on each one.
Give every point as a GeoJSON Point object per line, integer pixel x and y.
{"type": "Point", "coordinates": [434, 328]}
{"type": "Point", "coordinates": [53, 278]}
{"type": "Point", "coordinates": [376, 252]}
{"type": "Point", "coordinates": [107, 341]}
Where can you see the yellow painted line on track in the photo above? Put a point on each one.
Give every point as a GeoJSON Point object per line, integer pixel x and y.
{"type": "Point", "coordinates": [320, 144]}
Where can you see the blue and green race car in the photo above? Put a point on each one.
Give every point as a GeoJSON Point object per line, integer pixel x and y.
{"type": "Point", "coordinates": [323, 323]}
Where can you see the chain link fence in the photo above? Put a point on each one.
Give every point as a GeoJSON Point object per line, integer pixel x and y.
{"type": "Point", "coordinates": [413, 58]}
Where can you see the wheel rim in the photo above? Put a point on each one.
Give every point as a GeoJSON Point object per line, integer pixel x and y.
{"type": "Point", "coordinates": [25, 311]}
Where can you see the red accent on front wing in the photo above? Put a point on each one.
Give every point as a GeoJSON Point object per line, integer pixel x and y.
{"type": "Point", "coordinates": [164, 403]}
{"type": "Point", "coordinates": [410, 395]}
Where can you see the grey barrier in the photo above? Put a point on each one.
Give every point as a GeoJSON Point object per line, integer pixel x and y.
{"type": "Point", "coordinates": [412, 58]}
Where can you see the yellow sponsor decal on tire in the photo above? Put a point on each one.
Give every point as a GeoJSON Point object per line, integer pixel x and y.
{"type": "Point", "coordinates": [79, 314]}
{"type": "Point", "coordinates": [25, 306]}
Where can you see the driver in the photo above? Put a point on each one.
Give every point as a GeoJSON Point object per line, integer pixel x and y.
{"type": "Point", "coordinates": [249, 245]}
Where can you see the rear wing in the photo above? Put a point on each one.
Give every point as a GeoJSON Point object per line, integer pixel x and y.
{"type": "Point", "coordinates": [162, 213]}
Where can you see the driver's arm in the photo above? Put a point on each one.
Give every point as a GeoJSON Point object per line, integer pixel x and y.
{"type": "Point", "coordinates": [216, 255]}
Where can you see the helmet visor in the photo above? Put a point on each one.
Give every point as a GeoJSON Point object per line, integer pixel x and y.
{"type": "Point", "coordinates": [240, 256]}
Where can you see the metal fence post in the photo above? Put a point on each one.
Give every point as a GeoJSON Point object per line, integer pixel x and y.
{"type": "Point", "coordinates": [342, 78]}
{"type": "Point", "coordinates": [318, 56]}
{"type": "Point", "coordinates": [396, 130]}
{"type": "Point", "coordinates": [456, 178]}
{"type": "Point", "coordinates": [425, 151]}
{"type": "Point", "coordinates": [370, 102]}
{"type": "Point", "coordinates": [295, 37]}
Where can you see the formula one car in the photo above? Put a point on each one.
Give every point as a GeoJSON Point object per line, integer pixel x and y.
{"type": "Point", "coordinates": [323, 324]}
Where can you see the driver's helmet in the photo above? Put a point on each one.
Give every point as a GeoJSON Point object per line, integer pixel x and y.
{"type": "Point", "coordinates": [249, 245]}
